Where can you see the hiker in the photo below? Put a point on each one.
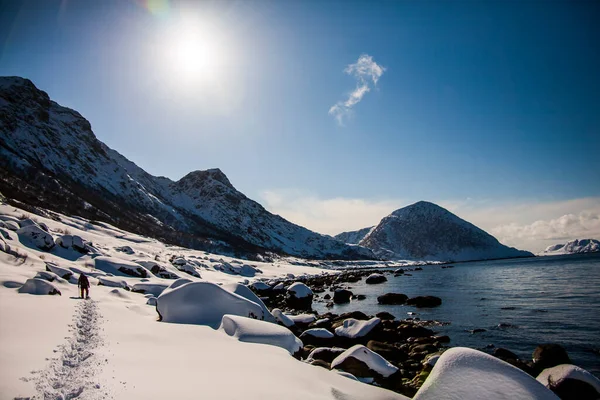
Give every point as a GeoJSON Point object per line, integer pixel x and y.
{"type": "Point", "coordinates": [84, 284]}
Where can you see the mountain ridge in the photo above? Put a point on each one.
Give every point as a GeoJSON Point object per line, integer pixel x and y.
{"type": "Point", "coordinates": [51, 157]}
{"type": "Point", "coordinates": [576, 246]}
{"type": "Point", "coordinates": [425, 231]}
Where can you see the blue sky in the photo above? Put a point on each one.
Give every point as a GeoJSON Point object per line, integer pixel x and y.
{"type": "Point", "coordinates": [480, 106]}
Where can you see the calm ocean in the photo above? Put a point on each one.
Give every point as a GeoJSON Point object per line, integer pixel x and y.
{"type": "Point", "coordinates": [520, 302]}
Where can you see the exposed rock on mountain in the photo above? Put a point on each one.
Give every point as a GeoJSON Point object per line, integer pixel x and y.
{"type": "Point", "coordinates": [50, 157]}
{"type": "Point", "coordinates": [573, 247]}
{"type": "Point", "coordinates": [426, 231]}
{"type": "Point", "coordinates": [353, 237]}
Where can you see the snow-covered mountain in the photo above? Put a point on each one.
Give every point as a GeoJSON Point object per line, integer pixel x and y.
{"type": "Point", "coordinates": [353, 237]}
{"type": "Point", "coordinates": [50, 157]}
{"type": "Point", "coordinates": [573, 247]}
{"type": "Point", "coordinates": [426, 231]}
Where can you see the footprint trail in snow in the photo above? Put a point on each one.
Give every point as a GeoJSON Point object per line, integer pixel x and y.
{"type": "Point", "coordinates": [71, 375]}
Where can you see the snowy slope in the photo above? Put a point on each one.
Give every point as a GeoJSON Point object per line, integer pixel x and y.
{"type": "Point", "coordinates": [426, 231]}
{"type": "Point", "coordinates": [573, 247]}
{"type": "Point", "coordinates": [353, 237]}
{"type": "Point", "coordinates": [49, 156]}
{"type": "Point", "coordinates": [112, 346]}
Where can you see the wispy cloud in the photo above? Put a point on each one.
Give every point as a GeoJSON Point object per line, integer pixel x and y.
{"type": "Point", "coordinates": [530, 225]}
{"type": "Point", "coordinates": [367, 72]}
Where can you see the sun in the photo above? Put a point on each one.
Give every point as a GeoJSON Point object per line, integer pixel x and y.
{"type": "Point", "coordinates": [194, 52]}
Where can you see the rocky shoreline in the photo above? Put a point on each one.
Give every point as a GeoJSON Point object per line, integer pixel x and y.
{"type": "Point", "coordinates": [410, 346]}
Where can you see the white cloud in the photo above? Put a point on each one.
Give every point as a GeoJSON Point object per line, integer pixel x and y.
{"type": "Point", "coordinates": [367, 72]}
{"type": "Point", "coordinates": [530, 225]}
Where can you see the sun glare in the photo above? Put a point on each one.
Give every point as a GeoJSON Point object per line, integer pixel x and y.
{"type": "Point", "coordinates": [194, 53]}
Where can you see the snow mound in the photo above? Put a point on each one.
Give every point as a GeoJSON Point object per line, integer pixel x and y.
{"type": "Point", "coordinates": [245, 292]}
{"type": "Point", "coordinates": [71, 241]}
{"type": "Point", "coordinates": [120, 267]}
{"type": "Point", "coordinates": [253, 331]}
{"type": "Point", "coordinates": [318, 332]}
{"type": "Point", "coordinates": [260, 286]}
{"type": "Point", "coordinates": [39, 286]}
{"type": "Point", "coordinates": [556, 375]}
{"type": "Point", "coordinates": [112, 282]}
{"type": "Point", "coordinates": [203, 303]}
{"type": "Point", "coordinates": [120, 293]}
{"type": "Point", "coordinates": [373, 360]}
{"type": "Point", "coordinates": [157, 269]}
{"type": "Point", "coordinates": [62, 272]}
{"type": "Point", "coordinates": [467, 374]}
{"type": "Point", "coordinates": [36, 236]}
{"type": "Point", "coordinates": [299, 290]}
{"type": "Point", "coordinates": [154, 289]}
{"type": "Point", "coordinates": [354, 328]}
{"type": "Point", "coordinates": [151, 301]}
{"type": "Point", "coordinates": [282, 318]}
{"type": "Point", "coordinates": [11, 225]}
{"type": "Point", "coordinates": [179, 282]}
{"type": "Point", "coordinates": [49, 276]}
{"type": "Point", "coordinates": [302, 318]}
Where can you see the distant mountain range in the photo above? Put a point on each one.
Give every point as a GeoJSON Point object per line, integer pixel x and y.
{"type": "Point", "coordinates": [426, 231]}
{"type": "Point", "coordinates": [573, 247]}
{"type": "Point", "coordinates": [50, 157]}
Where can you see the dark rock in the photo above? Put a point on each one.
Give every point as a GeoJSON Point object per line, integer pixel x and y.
{"type": "Point", "coordinates": [418, 269]}
{"type": "Point", "coordinates": [407, 331]}
{"type": "Point", "coordinates": [387, 351]}
{"type": "Point", "coordinates": [442, 339]}
{"type": "Point", "coordinates": [392, 298]}
{"type": "Point", "coordinates": [375, 278]}
{"type": "Point", "coordinates": [504, 354]}
{"type": "Point", "coordinates": [574, 389]}
{"type": "Point", "coordinates": [320, 363]}
{"type": "Point", "coordinates": [477, 330]}
{"type": "Point", "coordinates": [549, 355]}
{"type": "Point", "coordinates": [384, 315]}
{"type": "Point", "coordinates": [341, 296]}
{"type": "Point", "coordinates": [326, 354]}
{"type": "Point", "coordinates": [327, 296]}
{"type": "Point", "coordinates": [360, 297]}
{"type": "Point", "coordinates": [353, 314]}
{"type": "Point", "coordinates": [424, 301]}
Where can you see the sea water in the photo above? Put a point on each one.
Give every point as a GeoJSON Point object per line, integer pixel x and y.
{"type": "Point", "coordinates": [520, 303]}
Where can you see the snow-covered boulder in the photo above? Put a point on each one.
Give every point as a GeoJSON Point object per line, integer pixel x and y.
{"type": "Point", "coordinates": [354, 328]}
{"type": "Point", "coordinates": [151, 301]}
{"type": "Point", "coordinates": [179, 282]}
{"type": "Point", "coordinates": [254, 331]}
{"type": "Point", "coordinates": [36, 236]}
{"type": "Point", "coordinates": [120, 267]}
{"type": "Point", "coordinates": [285, 320]}
{"type": "Point", "coordinates": [62, 272]}
{"type": "Point", "coordinates": [375, 278]}
{"type": "Point", "coordinates": [467, 374]}
{"type": "Point", "coordinates": [5, 247]}
{"type": "Point", "coordinates": [260, 286]}
{"type": "Point", "coordinates": [245, 292]}
{"type": "Point", "coordinates": [566, 378]}
{"type": "Point", "coordinates": [39, 286]}
{"type": "Point", "coordinates": [72, 241]}
{"type": "Point", "coordinates": [203, 303]}
{"type": "Point", "coordinates": [363, 363]}
{"type": "Point", "coordinates": [303, 318]}
{"type": "Point", "coordinates": [247, 271]}
{"type": "Point", "coordinates": [157, 269]}
{"type": "Point", "coordinates": [12, 225]}
{"type": "Point", "coordinates": [189, 269]}
{"type": "Point", "coordinates": [112, 281]}
{"type": "Point", "coordinates": [49, 276]}
{"type": "Point", "coordinates": [299, 296]}
{"type": "Point", "coordinates": [125, 249]}
{"type": "Point", "coordinates": [154, 289]}
{"type": "Point", "coordinates": [28, 222]}
{"type": "Point", "coordinates": [327, 354]}
{"type": "Point", "coordinates": [318, 333]}
{"type": "Point", "coordinates": [9, 218]}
